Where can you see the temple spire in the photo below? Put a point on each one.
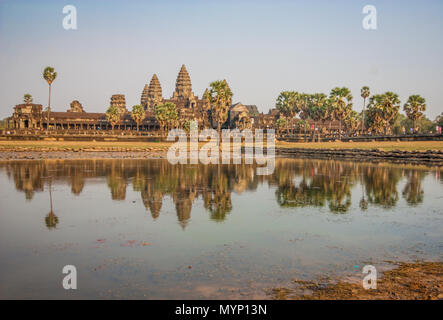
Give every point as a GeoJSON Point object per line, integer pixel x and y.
{"type": "Point", "coordinates": [154, 94]}
{"type": "Point", "coordinates": [183, 86]}
{"type": "Point", "coordinates": [144, 96]}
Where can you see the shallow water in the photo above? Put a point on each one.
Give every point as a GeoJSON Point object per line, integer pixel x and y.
{"type": "Point", "coordinates": [148, 229]}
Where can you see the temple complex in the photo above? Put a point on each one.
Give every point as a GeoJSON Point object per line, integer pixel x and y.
{"type": "Point", "coordinates": [29, 117]}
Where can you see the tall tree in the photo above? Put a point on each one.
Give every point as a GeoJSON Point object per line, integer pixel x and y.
{"type": "Point", "coordinates": [352, 121]}
{"type": "Point", "coordinates": [113, 115]}
{"type": "Point", "coordinates": [49, 75]}
{"type": "Point", "coordinates": [138, 114]}
{"type": "Point", "coordinates": [375, 120]}
{"type": "Point", "coordinates": [286, 106]}
{"type": "Point", "coordinates": [171, 115]}
{"type": "Point", "coordinates": [414, 108]}
{"type": "Point", "coordinates": [301, 105]}
{"type": "Point", "coordinates": [27, 98]}
{"type": "Point", "coordinates": [329, 114]}
{"type": "Point", "coordinates": [383, 110]}
{"type": "Point", "coordinates": [341, 102]}
{"type": "Point", "coordinates": [219, 98]}
{"type": "Point", "coordinates": [365, 93]}
{"type": "Point", "coordinates": [161, 115]}
{"type": "Point", "coordinates": [280, 124]}
{"type": "Point", "coordinates": [317, 108]}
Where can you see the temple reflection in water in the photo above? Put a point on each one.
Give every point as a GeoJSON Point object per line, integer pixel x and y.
{"type": "Point", "coordinates": [297, 183]}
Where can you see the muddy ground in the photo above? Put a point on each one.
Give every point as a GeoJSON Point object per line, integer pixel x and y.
{"type": "Point", "coordinates": [42, 155]}
{"type": "Point", "coordinates": [409, 281]}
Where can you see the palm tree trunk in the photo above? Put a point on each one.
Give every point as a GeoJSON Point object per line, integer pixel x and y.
{"type": "Point", "coordinates": [218, 131]}
{"type": "Point", "coordinates": [363, 117]}
{"type": "Point", "coordinates": [330, 128]}
{"type": "Point", "coordinates": [313, 133]}
{"type": "Point", "coordinates": [339, 130]}
{"type": "Point", "coordinates": [49, 107]}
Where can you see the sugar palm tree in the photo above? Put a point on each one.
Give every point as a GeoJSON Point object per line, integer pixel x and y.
{"type": "Point", "coordinates": [341, 101]}
{"type": "Point", "coordinates": [317, 104]}
{"type": "Point", "coordinates": [280, 124]}
{"type": "Point", "coordinates": [113, 115]}
{"type": "Point", "coordinates": [27, 98]}
{"type": "Point", "coordinates": [138, 114]}
{"type": "Point", "coordinates": [414, 108]}
{"type": "Point", "coordinates": [352, 121]}
{"type": "Point", "coordinates": [383, 109]}
{"type": "Point", "coordinates": [49, 75]}
{"type": "Point", "coordinates": [219, 98]}
{"type": "Point", "coordinates": [286, 106]}
{"type": "Point", "coordinates": [301, 105]}
{"type": "Point", "coordinates": [365, 93]}
{"type": "Point", "coordinates": [329, 114]}
{"type": "Point", "coordinates": [171, 115]}
{"type": "Point", "coordinates": [161, 115]}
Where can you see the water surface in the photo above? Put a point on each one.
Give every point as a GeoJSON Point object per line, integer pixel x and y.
{"type": "Point", "coordinates": [148, 229]}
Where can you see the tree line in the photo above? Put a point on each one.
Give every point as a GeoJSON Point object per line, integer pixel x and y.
{"type": "Point", "coordinates": [378, 117]}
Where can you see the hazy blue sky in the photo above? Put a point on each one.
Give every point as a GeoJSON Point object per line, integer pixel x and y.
{"type": "Point", "coordinates": [260, 47]}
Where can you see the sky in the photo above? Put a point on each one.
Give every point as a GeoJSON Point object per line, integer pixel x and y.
{"type": "Point", "coordinates": [260, 47]}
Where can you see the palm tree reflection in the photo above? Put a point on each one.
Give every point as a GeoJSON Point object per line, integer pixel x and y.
{"type": "Point", "coordinates": [51, 220]}
{"type": "Point", "coordinates": [413, 191]}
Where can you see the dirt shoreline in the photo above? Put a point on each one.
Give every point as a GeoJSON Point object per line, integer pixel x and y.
{"type": "Point", "coordinates": [429, 157]}
{"type": "Point", "coordinates": [409, 281]}
{"type": "Point", "coordinates": [417, 152]}
{"type": "Point", "coordinates": [63, 155]}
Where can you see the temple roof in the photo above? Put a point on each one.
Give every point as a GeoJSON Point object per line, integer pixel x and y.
{"type": "Point", "coordinates": [77, 115]}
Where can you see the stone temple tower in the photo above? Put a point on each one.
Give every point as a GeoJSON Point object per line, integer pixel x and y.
{"type": "Point", "coordinates": [118, 100]}
{"type": "Point", "coordinates": [183, 86]}
{"type": "Point", "coordinates": [144, 96]}
{"type": "Point", "coordinates": [154, 93]}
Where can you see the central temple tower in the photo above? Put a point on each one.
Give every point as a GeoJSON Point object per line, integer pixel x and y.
{"type": "Point", "coordinates": [183, 86]}
{"type": "Point", "coordinates": [152, 94]}
{"type": "Point", "coordinates": [183, 90]}
{"type": "Point", "coordinates": [182, 97]}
